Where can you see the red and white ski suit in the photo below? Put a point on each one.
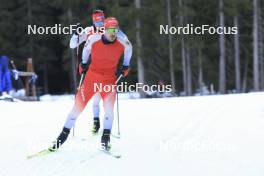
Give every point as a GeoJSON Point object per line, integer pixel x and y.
{"type": "Point", "coordinates": [104, 61]}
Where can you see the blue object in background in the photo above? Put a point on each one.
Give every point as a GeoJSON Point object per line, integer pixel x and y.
{"type": "Point", "coordinates": [5, 75]}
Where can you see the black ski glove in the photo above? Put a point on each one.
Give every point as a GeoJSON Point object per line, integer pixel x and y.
{"type": "Point", "coordinates": [83, 68]}
{"type": "Point", "coordinates": [124, 70]}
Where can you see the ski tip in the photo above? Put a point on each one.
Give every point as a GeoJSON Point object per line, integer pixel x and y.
{"type": "Point", "coordinates": [41, 153]}
{"type": "Point", "coordinates": [110, 153]}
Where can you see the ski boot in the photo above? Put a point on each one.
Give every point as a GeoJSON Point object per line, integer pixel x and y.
{"type": "Point", "coordinates": [60, 140]}
{"type": "Point", "coordinates": [105, 140]}
{"type": "Point", "coordinates": [96, 125]}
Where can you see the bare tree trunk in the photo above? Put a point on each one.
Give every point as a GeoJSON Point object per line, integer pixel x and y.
{"type": "Point", "coordinates": [261, 49]}
{"type": "Point", "coordinates": [237, 57]}
{"type": "Point", "coordinates": [200, 72]}
{"type": "Point", "coordinates": [189, 71]}
{"type": "Point", "coordinates": [261, 59]}
{"type": "Point", "coordinates": [74, 58]}
{"type": "Point", "coordinates": [29, 15]}
{"type": "Point", "coordinates": [140, 65]}
{"type": "Point", "coordinates": [222, 73]}
{"type": "Point", "coordinates": [170, 49]}
{"type": "Point", "coordinates": [183, 53]}
{"type": "Point", "coordinates": [255, 46]}
{"type": "Point", "coordinates": [183, 56]}
{"type": "Point", "coordinates": [244, 86]}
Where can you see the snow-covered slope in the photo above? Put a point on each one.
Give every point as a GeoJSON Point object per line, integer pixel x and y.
{"type": "Point", "coordinates": [201, 136]}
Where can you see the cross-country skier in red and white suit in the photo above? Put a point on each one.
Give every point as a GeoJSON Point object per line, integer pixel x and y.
{"type": "Point", "coordinates": [98, 18]}
{"type": "Point", "coordinates": [105, 51]}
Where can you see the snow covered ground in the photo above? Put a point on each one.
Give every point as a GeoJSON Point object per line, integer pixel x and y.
{"type": "Point", "coordinates": [201, 136]}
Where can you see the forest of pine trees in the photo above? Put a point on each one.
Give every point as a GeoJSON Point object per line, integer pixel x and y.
{"type": "Point", "coordinates": [222, 63]}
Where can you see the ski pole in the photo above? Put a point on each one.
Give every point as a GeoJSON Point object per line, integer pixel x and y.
{"type": "Point", "coordinates": [117, 106]}
{"type": "Point", "coordinates": [117, 109]}
{"type": "Point", "coordinates": [81, 80]}
{"type": "Point", "coordinates": [119, 77]}
{"type": "Point", "coordinates": [77, 63]}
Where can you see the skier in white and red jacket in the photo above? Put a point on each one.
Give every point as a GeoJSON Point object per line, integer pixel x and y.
{"type": "Point", "coordinates": [98, 18]}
